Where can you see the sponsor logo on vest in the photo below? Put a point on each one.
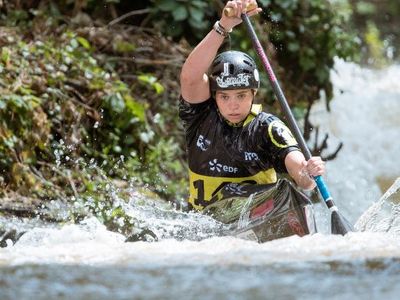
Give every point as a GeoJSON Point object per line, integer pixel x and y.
{"type": "Point", "coordinates": [239, 80]}
{"type": "Point", "coordinates": [280, 135]}
{"type": "Point", "coordinates": [203, 143]}
{"type": "Point", "coordinates": [251, 156]}
{"type": "Point", "coordinates": [216, 166]}
{"type": "Point", "coordinates": [234, 188]}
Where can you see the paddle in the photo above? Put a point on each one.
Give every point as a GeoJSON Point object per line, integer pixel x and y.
{"type": "Point", "coordinates": [339, 225]}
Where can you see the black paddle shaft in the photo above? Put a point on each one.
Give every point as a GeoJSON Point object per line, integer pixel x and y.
{"type": "Point", "coordinates": [277, 89]}
{"type": "Point", "coordinates": [338, 223]}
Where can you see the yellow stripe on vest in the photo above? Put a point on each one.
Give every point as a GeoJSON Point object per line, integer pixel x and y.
{"type": "Point", "coordinates": [204, 188]}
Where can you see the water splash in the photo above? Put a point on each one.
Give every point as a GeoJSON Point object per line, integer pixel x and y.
{"type": "Point", "coordinates": [364, 116]}
{"type": "Point", "coordinates": [167, 222]}
{"type": "Point", "coordinates": [384, 215]}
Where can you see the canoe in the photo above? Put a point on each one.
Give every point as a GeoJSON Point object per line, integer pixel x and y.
{"type": "Point", "coordinates": [263, 212]}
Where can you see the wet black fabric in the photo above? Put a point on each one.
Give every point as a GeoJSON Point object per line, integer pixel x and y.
{"type": "Point", "coordinates": [230, 143]}
{"type": "Point", "coordinates": [220, 154]}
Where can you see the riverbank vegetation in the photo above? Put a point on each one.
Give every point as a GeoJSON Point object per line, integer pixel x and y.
{"type": "Point", "coordinates": [89, 90]}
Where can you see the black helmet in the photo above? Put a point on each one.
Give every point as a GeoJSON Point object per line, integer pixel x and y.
{"type": "Point", "coordinates": [232, 70]}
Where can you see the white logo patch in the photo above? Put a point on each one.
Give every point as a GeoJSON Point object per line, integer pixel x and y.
{"type": "Point", "coordinates": [216, 166]}
{"type": "Point", "coordinates": [256, 75]}
{"type": "Point", "coordinates": [203, 143]}
{"type": "Point", "coordinates": [239, 80]}
{"type": "Point", "coordinates": [234, 188]}
{"type": "Point", "coordinates": [251, 156]}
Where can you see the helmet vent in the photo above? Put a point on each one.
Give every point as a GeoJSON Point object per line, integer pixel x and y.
{"type": "Point", "coordinates": [231, 69]}
{"type": "Point", "coordinates": [248, 63]}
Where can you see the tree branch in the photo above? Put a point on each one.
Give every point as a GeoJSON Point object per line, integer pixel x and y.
{"type": "Point", "coordinates": [127, 15]}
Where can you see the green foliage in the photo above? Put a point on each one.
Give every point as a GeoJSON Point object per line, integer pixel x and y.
{"type": "Point", "coordinates": [177, 18]}
{"type": "Point", "coordinates": [62, 102]}
{"type": "Point", "coordinates": [365, 8]}
{"type": "Point", "coordinates": [307, 36]}
{"type": "Point", "coordinates": [152, 81]}
{"type": "Point", "coordinates": [378, 27]}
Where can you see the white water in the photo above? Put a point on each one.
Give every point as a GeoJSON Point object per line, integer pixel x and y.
{"type": "Point", "coordinates": [88, 262]}
{"type": "Point", "coordinates": [365, 116]}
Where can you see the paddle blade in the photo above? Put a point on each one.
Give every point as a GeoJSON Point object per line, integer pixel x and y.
{"type": "Point", "coordinates": [339, 224]}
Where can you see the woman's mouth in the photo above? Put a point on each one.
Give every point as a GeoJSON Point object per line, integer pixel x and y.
{"type": "Point", "coordinates": [235, 117]}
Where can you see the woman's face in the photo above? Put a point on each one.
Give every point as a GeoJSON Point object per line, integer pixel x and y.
{"type": "Point", "coordinates": [234, 105]}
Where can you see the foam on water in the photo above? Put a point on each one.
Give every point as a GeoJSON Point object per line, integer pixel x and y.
{"type": "Point", "coordinates": [90, 243]}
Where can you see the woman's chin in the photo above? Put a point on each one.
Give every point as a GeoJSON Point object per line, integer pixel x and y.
{"type": "Point", "coordinates": [235, 119]}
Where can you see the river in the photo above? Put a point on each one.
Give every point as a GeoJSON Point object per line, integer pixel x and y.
{"type": "Point", "coordinates": [85, 261]}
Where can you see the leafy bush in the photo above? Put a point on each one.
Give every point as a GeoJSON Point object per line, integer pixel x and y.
{"type": "Point", "coordinates": [378, 23]}
{"type": "Point", "coordinates": [182, 18]}
{"type": "Point", "coordinates": [307, 35]}
{"type": "Point", "coordinates": [62, 101]}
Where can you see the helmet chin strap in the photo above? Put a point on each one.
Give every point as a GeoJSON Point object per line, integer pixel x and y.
{"type": "Point", "coordinates": [239, 124]}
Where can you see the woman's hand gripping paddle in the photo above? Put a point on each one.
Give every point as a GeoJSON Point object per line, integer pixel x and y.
{"type": "Point", "coordinates": [339, 225]}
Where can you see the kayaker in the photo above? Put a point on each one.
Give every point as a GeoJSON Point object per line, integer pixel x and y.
{"type": "Point", "coordinates": [228, 138]}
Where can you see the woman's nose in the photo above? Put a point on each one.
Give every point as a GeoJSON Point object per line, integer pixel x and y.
{"type": "Point", "coordinates": [234, 104]}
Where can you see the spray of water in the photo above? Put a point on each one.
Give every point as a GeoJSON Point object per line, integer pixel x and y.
{"type": "Point", "coordinates": [364, 117]}
{"type": "Point", "coordinates": [384, 215]}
